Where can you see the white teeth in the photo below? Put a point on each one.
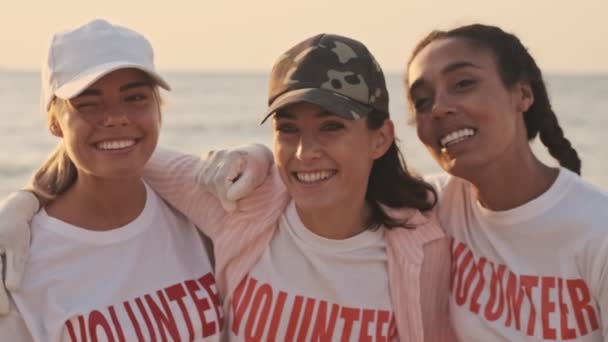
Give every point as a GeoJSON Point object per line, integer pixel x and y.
{"type": "Point", "coordinates": [311, 177]}
{"type": "Point", "coordinates": [115, 144]}
{"type": "Point", "coordinates": [456, 136]}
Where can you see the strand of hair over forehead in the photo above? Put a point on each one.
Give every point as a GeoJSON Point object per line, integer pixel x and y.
{"type": "Point", "coordinates": [516, 64]}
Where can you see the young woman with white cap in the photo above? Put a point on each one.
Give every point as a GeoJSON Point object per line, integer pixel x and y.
{"type": "Point", "coordinates": [355, 255]}
{"type": "Point", "coordinates": [109, 259]}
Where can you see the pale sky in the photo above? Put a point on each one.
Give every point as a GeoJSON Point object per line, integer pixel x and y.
{"type": "Point", "coordinates": [563, 36]}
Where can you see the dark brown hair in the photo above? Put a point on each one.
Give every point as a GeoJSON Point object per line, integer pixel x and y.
{"type": "Point", "coordinates": [391, 184]}
{"type": "Point", "coordinates": [515, 64]}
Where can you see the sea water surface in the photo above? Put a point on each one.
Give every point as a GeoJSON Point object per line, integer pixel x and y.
{"type": "Point", "coordinates": [218, 110]}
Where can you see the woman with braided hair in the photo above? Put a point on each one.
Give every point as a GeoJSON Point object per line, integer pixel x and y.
{"type": "Point", "coordinates": [529, 241]}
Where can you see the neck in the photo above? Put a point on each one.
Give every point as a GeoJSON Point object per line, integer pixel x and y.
{"type": "Point", "coordinates": [512, 183]}
{"type": "Point", "coordinates": [336, 223]}
{"type": "Point", "coordinates": [100, 204]}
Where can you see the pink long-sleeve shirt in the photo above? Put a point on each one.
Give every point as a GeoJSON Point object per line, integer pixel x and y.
{"type": "Point", "coordinates": [419, 260]}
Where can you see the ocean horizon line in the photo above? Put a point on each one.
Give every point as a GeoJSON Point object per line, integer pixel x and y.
{"type": "Point", "coordinates": [256, 72]}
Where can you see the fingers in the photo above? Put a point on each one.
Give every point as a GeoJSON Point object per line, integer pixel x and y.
{"type": "Point", "coordinates": [243, 186]}
{"type": "Point", "coordinates": [217, 172]}
{"type": "Point", "coordinates": [228, 205]}
{"type": "Point", "coordinates": [233, 174]}
{"type": "Point", "coordinates": [254, 171]}
{"type": "Point", "coordinates": [205, 173]}
{"type": "Point", "coordinates": [226, 174]}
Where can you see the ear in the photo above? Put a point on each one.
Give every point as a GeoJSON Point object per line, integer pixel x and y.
{"type": "Point", "coordinates": [383, 139]}
{"type": "Point", "coordinates": [54, 128]}
{"type": "Point", "coordinates": [525, 97]}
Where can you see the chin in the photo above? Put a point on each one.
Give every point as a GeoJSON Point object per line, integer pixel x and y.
{"type": "Point", "coordinates": [122, 173]}
{"type": "Point", "coordinates": [463, 167]}
{"type": "Point", "coordinates": [313, 203]}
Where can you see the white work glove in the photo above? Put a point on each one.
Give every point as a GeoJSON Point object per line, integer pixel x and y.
{"type": "Point", "coordinates": [16, 212]}
{"type": "Point", "coordinates": [233, 174]}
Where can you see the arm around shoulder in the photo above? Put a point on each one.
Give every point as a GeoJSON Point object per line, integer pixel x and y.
{"type": "Point", "coordinates": [173, 176]}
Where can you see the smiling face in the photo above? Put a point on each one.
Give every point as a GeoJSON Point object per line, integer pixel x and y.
{"type": "Point", "coordinates": [111, 129]}
{"type": "Point", "coordinates": [464, 114]}
{"type": "Point", "coordinates": [323, 159]}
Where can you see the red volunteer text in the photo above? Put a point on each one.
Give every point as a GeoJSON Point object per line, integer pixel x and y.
{"type": "Point", "coordinates": [495, 293]}
{"type": "Point", "coordinates": [154, 316]}
{"type": "Point", "coordinates": [258, 312]}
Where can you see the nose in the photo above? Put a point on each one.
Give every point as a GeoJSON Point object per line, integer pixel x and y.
{"type": "Point", "coordinates": [442, 106]}
{"type": "Point", "coordinates": [115, 116]}
{"type": "Point", "coordinates": [308, 147]}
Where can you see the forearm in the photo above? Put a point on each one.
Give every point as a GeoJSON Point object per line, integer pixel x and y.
{"type": "Point", "coordinates": [173, 176]}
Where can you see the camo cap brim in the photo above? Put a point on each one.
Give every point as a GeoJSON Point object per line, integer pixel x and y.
{"type": "Point", "coordinates": [331, 102]}
{"type": "Point", "coordinates": [337, 73]}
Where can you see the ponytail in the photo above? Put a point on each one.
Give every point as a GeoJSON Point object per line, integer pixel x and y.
{"type": "Point", "coordinates": [58, 173]}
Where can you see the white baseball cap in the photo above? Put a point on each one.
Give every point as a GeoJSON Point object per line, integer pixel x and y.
{"type": "Point", "coordinates": [79, 57]}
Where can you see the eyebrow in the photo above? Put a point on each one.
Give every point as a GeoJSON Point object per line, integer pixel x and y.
{"type": "Point", "coordinates": [446, 70]}
{"type": "Point", "coordinates": [89, 92]}
{"type": "Point", "coordinates": [134, 85]}
{"type": "Point", "coordinates": [97, 92]}
{"type": "Point", "coordinates": [284, 114]}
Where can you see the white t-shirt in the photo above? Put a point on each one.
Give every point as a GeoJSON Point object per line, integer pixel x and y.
{"type": "Point", "coordinates": [150, 279]}
{"type": "Point", "coordinates": [535, 272]}
{"type": "Point", "coordinates": [306, 287]}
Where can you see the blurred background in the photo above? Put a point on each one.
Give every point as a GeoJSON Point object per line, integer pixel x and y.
{"type": "Point", "coordinates": [217, 56]}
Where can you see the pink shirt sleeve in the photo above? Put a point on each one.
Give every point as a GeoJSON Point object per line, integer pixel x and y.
{"type": "Point", "coordinates": [173, 176]}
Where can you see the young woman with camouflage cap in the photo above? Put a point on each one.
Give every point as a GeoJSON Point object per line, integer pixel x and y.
{"type": "Point", "coordinates": [529, 241]}
{"type": "Point", "coordinates": [354, 254]}
{"type": "Point", "coordinates": [338, 242]}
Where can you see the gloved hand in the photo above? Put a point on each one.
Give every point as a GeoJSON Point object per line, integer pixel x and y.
{"type": "Point", "coordinates": [232, 174]}
{"type": "Point", "coordinates": [16, 212]}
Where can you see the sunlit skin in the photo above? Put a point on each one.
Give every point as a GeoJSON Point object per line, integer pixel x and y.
{"type": "Point", "coordinates": [335, 155]}
{"type": "Point", "coordinates": [453, 86]}
{"type": "Point", "coordinates": [121, 106]}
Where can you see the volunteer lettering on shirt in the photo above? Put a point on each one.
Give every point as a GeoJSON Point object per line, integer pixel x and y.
{"type": "Point", "coordinates": [150, 280]}
{"type": "Point", "coordinates": [534, 272]}
{"type": "Point", "coordinates": [155, 315]}
{"type": "Point", "coordinates": [516, 300]}
{"type": "Point", "coordinates": [305, 287]}
{"type": "Point", "coordinates": [259, 312]}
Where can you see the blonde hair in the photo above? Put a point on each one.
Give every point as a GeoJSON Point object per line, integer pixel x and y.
{"type": "Point", "coordinates": [58, 173]}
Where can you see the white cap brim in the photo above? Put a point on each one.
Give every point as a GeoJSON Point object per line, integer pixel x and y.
{"type": "Point", "coordinates": [85, 79]}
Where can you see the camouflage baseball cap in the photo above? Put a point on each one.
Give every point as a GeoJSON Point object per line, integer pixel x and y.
{"type": "Point", "coordinates": [336, 73]}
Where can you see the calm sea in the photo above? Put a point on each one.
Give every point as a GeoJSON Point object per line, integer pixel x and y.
{"type": "Point", "coordinates": [208, 111]}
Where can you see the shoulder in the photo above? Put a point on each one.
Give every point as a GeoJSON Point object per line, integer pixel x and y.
{"type": "Point", "coordinates": [583, 208]}
{"type": "Point", "coordinates": [446, 184]}
{"type": "Point", "coordinates": [437, 180]}
{"type": "Point", "coordinates": [420, 227]}
{"type": "Point", "coordinates": [583, 201]}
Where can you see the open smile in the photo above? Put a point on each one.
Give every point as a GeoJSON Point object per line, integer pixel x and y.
{"type": "Point", "coordinates": [312, 177]}
{"type": "Point", "coordinates": [116, 144]}
{"type": "Point", "coordinates": [456, 136]}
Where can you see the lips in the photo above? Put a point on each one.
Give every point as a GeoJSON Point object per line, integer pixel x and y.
{"type": "Point", "coordinates": [115, 144]}
{"type": "Point", "coordinates": [456, 136]}
{"type": "Point", "coordinates": [311, 177]}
